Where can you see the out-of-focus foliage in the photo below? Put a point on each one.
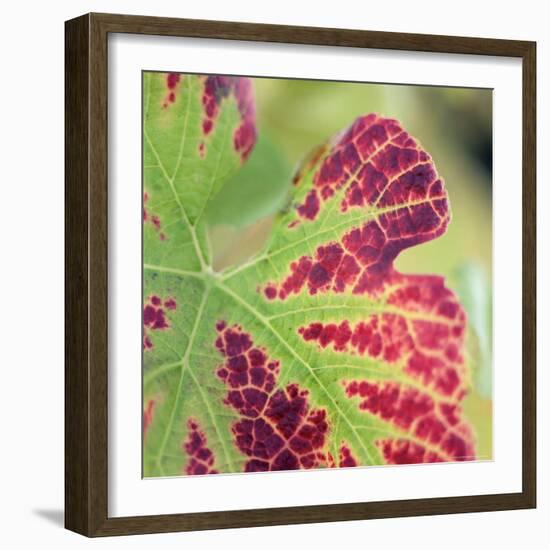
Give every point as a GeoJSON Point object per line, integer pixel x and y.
{"type": "Point", "coordinates": [254, 192]}
{"type": "Point", "coordinates": [474, 290]}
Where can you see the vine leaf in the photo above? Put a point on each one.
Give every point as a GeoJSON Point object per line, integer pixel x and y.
{"type": "Point", "coordinates": [316, 352]}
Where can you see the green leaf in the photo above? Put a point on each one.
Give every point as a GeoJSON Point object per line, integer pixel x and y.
{"type": "Point", "coordinates": [258, 190]}
{"type": "Point", "coordinates": [316, 352]}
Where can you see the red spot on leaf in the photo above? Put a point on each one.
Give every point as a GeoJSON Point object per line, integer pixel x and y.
{"type": "Point", "coordinates": [404, 451]}
{"type": "Point", "coordinates": [172, 84]}
{"type": "Point", "coordinates": [207, 126]}
{"type": "Point", "coordinates": [148, 416]}
{"type": "Point", "coordinates": [347, 460]}
{"type": "Point", "coordinates": [217, 89]}
{"type": "Point", "coordinates": [278, 429]}
{"type": "Point", "coordinates": [310, 208]}
{"type": "Point", "coordinates": [244, 137]}
{"type": "Point", "coordinates": [270, 292]}
{"type": "Point", "coordinates": [201, 458]}
{"type": "Point", "coordinates": [170, 303]}
{"type": "Point", "coordinates": [154, 317]}
{"type": "Point", "coordinates": [153, 219]}
{"type": "Point", "coordinates": [172, 80]}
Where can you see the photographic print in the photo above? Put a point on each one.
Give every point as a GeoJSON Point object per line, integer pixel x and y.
{"type": "Point", "coordinates": [317, 274]}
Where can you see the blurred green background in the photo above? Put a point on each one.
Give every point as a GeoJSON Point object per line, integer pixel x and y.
{"type": "Point", "coordinates": [453, 124]}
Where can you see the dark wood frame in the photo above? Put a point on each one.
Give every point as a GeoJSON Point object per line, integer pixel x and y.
{"type": "Point", "coordinates": [86, 274]}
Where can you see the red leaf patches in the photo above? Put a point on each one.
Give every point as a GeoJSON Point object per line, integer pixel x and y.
{"type": "Point", "coordinates": [435, 429]}
{"type": "Point", "coordinates": [201, 458]}
{"type": "Point", "coordinates": [375, 163]}
{"type": "Point", "coordinates": [172, 85]}
{"type": "Point", "coordinates": [154, 317]}
{"type": "Point", "coordinates": [153, 219]}
{"type": "Point", "coordinates": [278, 430]}
{"type": "Point", "coordinates": [364, 258]}
{"type": "Point", "coordinates": [218, 88]}
{"type": "Point", "coordinates": [425, 335]}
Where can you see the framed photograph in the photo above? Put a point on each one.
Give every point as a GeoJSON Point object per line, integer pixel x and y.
{"type": "Point", "coordinates": [300, 275]}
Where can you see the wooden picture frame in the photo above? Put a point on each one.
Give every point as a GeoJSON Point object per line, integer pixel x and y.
{"type": "Point", "coordinates": [86, 283]}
